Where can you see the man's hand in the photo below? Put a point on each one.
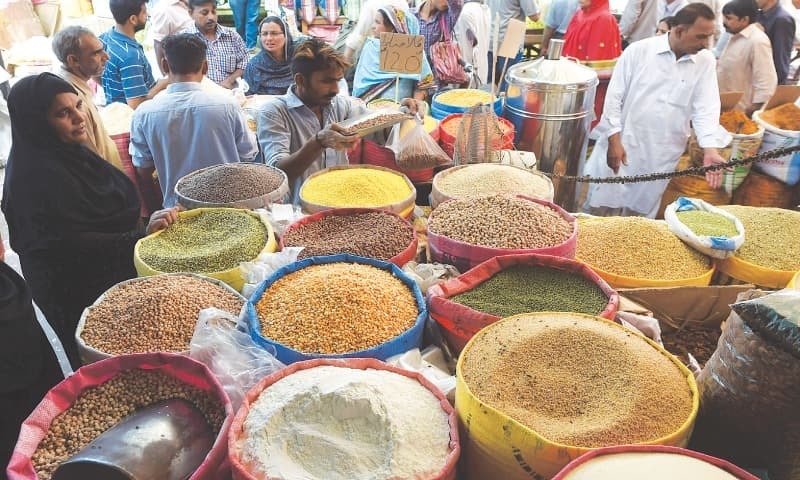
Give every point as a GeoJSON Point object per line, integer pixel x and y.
{"type": "Point", "coordinates": [414, 106]}
{"type": "Point", "coordinates": [162, 219]}
{"type": "Point", "coordinates": [333, 138]}
{"type": "Point", "coordinates": [711, 157]}
{"type": "Point", "coordinates": [616, 156]}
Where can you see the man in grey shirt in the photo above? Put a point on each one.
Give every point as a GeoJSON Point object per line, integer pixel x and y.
{"type": "Point", "coordinates": [298, 131]}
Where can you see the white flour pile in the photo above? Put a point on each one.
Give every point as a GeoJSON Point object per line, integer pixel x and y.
{"type": "Point", "coordinates": [334, 423]}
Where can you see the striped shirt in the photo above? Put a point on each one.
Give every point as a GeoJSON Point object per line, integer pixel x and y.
{"type": "Point", "coordinates": [225, 54]}
{"type": "Point", "coordinates": [128, 73]}
{"type": "Point", "coordinates": [431, 29]}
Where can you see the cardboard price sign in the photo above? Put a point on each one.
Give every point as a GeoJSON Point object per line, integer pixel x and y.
{"type": "Point", "coordinates": [401, 53]}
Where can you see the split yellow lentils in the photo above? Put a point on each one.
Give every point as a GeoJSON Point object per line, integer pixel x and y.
{"type": "Point", "coordinates": [336, 308]}
{"type": "Point", "coordinates": [464, 97]}
{"type": "Point", "coordinates": [355, 187]}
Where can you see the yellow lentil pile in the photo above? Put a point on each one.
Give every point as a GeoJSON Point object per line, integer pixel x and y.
{"type": "Point", "coordinates": [154, 314]}
{"type": "Point", "coordinates": [577, 381]}
{"type": "Point", "coordinates": [212, 241]}
{"type": "Point", "coordinates": [336, 308]}
{"type": "Point", "coordinates": [482, 179]}
{"type": "Point", "coordinates": [639, 248]}
{"type": "Point", "coordinates": [464, 97]}
{"type": "Point", "coordinates": [772, 236]}
{"type": "Point", "coordinates": [355, 187]}
{"type": "Point", "coordinates": [100, 408]}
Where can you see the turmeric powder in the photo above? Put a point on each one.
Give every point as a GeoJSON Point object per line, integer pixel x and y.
{"type": "Point", "coordinates": [737, 122]}
{"type": "Point", "coordinates": [785, 117]}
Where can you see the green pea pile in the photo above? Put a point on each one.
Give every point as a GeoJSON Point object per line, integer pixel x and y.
{"type": "Point", "coordinates": [708, 224]}
{"type": "Point", "coordinates": [212, 241]}
{"type": "Point", "coordinates": [526, 289]}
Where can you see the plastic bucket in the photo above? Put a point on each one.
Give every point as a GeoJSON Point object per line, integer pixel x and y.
{"type": "Point", "coordinates": [786, 168]}
{"type": "Point", "coordinates": [447, 140]}
{"type": "Point", "coordinates": [439, 109]}
{"type": "Point", "coordinates": [735, 271]}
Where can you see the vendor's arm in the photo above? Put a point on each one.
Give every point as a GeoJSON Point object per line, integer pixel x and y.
{"type": "Point", "coordinates": [705, 121]}
{"type": "Point", "coordinates": [611, 121]}
{"type": "Point", "coordinates": [230, 80]}
{"type": "Point", "coordinates": [531, 9]}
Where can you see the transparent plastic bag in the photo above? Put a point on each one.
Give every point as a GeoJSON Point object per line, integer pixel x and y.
{"type": "Point", "coordinates": [221, 342]}
{"type": "Point", "coordinates": [417, 150]}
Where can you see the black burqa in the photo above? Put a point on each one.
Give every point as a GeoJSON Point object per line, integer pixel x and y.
{"type": "Point", "coordinates": [72, 217]}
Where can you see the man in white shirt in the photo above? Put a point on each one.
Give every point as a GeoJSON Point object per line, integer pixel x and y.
{"type": "Point", "coordinates": [659, 84]}
{"type": "Point", "coordinates": [746, 63]}
{"type": "Point", "coordinates": [169, 17]}
{"type": "Point", "coordinates": [639, 20]}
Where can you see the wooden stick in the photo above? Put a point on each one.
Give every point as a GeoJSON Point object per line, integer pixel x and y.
{"type": "Point", "coordinates": [397, 89]}
{"type": "Point", "coordinates": [495, 42]}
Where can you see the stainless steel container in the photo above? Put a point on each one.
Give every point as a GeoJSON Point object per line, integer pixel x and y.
{"type": "Point", "coordinates": [550, 101]}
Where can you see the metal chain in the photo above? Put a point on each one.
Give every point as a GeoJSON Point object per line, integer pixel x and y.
{"type": "Point", "coordinates": [768, 155]}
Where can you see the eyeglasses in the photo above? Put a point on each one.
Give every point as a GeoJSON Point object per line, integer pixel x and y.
{"type": "Point", "coordinates": [271, 34]}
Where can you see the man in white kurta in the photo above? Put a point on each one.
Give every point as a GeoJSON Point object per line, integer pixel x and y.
{"type": "Point", "coordinates": [659, 84]}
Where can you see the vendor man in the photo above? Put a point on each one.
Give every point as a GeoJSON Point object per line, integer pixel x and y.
{"type": "Point", "coordinates": [659, 84]}
{"type": "Point", "coordinates": [297, 131]}
{"type": "Point", "coordinates": [225, 50]}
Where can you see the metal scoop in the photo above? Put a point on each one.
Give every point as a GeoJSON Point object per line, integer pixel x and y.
{"type": "Point", "coordinates": [165, 441]}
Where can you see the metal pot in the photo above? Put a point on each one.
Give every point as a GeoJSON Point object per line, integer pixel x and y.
{"type": "Point", "coordinates": [550, 101]}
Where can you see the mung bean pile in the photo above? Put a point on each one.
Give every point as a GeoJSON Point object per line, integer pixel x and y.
{"type": "Point", "coordinates": [355, 187]}
{"type": "Point", "coordinates": [153, 314]}
{"type": "Point", "coordinates": [212, 241]}
{"type": "Point", "coordinates": [336, 308]}
{"type": "Point", "coordinates": [482, 179]}
{"type": "Point", "coordinates": [522, 289]}
{"type": "Point", "coordinates": [639, 248]}
{"type": "Point", "coordinates": [772, 238]}
{"type": "Point", "coordinates": [100, 408]}
{"type": "Point", "coordinates": [577, 381]}
{"type": "Point", "coordinates": [709, 224]}
{"type": "Point", "coordinates": [500, 221]}
{"type": "Point", "coordinates": [369, 234]}
{"type": "Point", "coordinates": [231, 182]}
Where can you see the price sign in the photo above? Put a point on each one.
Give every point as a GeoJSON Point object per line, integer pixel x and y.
{"type": "Point", "coordinates": [401, 53]}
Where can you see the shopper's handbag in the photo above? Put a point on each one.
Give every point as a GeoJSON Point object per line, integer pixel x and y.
{"type": "Point", "coordinates": [446, 58]}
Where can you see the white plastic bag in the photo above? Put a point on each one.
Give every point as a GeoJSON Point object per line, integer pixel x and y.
{"type": "Point", "coordinates": [427, 275]}
{"type": "Point", "coordinates": [717, 247]}
{"type": "Point", "coordinates": [265, 265]}
{"type": "Point", "coordinates": [430, 363]}
{"type": "Point", "coordinates": [222, 343]}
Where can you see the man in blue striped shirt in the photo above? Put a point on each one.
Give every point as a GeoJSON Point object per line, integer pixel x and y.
{"type": "Point", "coordinates": [128, 77]}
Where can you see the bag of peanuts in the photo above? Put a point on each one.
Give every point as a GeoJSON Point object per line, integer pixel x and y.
{"type": "Point", "coordinates": [417, 150]}
{"type": "Point", "coordinates": [749, 388]}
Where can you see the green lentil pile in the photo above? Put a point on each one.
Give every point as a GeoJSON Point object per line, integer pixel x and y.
{"type": "Point", "coordinates": [100, 408]}
{"type": "Point", "coordinates": [772, 239]}
{"type": "Point", "coordinates": [639, 248]}
{"type": "Point", "coordinates": [230, 182]}
{"type": "Point", "coordinates": [212, 241]}
{"type": "Point", "coordinates": [708, 224]}
{"type": "Point", "coordinates": [522, 289]}
{"type": "Point", "coordinates": [336, 308]}
{"type": "Point", "coordinates": [370, 234]}
{"type": "Point", "coordinates": [501, 221]}
{"type": "Point", "coordinates": [577, 381]}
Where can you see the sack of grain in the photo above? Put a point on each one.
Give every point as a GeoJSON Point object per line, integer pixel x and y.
{"type": "Point", "coordinates": [480, 179]}
{"type": "Point", "coordinates": [707, 229]}
{"type": "Point", "coordinates": [786, 168]}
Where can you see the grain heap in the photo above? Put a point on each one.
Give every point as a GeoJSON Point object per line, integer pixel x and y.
{"type": "Point", "coordinates": [500, 222]}
{"type": "Point", "coordinates": [481, 179]}
{"type": "Point", "coordinates": [370, 234]}
{"type": "Point", "coordinates": [785, 117]}
{"type": "Point", "coordinates": [336, 308]}
{"type": "Point", "coordinates": [100, 408]}
{"type": "Point", "coordinates": [153, 314]}
{"type": "Point", "coordinates": [212, 241]}
{"type": "Point", "coordinates": [464, 97]}
{"type": "Point", "coordinates": [577, 381]}
{"type": "Point", "coordinates": [737, 122]}
{"type": "Point", "coordinates": [522, 289]}
{"type": "Point", "coordinates": [710, 224]}
{"type": "Point", "coordinates": [773, 236]}
{"type": "Point", "coordinates": [355, 187]}
{"type": "Point", "coordinates": [639, 248]}
{"type": "Point", "coordinates": [232, 182]}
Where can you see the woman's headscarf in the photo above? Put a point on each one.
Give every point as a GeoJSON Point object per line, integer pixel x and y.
{"type": "Point", "coordinates": [53, 189]}
{"type": "Point", "coordinates": [593, 34]}
{"type": "Point", "coordinates": [368, 72]}
{"type": "Point", "coordinates": [264, 74]}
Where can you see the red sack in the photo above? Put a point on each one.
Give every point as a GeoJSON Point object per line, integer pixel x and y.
{"type": "Point", "coordinates": [460, 323]}
{"type": "Point", "coordinates": [446, 58]}
{"type": "Point", "coordinates": [241, 472]}
{"type": "Point", "coordinates": [63, 395]}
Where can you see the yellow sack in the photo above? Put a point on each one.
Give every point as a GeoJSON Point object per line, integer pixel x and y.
{"type": "Point", "coordinates": [795, 283]}
{"type": "Point", "coordinates": [747, 272]}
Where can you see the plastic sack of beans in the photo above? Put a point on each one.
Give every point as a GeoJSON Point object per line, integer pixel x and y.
{"type": "Point", "coordinates": [707, 229]}
{"type": "Point", "coordinates": [417, 150]}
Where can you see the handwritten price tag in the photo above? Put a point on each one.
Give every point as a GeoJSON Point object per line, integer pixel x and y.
{"type": "Point", "coordinates": [401, 53]}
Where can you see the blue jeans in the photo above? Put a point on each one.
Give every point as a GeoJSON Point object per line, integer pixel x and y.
{"type": "Point", "coordinates": [245, 18]}
{"type": "Point", "coordinates": [500, 62]}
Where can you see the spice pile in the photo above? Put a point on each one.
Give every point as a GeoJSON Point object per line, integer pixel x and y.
{"type": "Point", "coordinates": [481, 179]}
{"type": "Point", "coordinates": [369, 234]}
{"type": "Point", "coordinates": [211, 241]}
{"type": "Point", "coordinates": [577, 381]}
{"type": "Point", "coordinates": [785, 117]}
{"type": "Point", "coordinates": [639, 248]}
{"type": "Point", "coordinates": [355, 187]}
{"type": "Point", "coordinates": [100, 408]}
{"type": "Point", "coordinates": [336, 308]}
{"type": "Point", "coordinates": [699, 340]}
{"type": "Point", "coordinates": [500, 222]}
{"type": "Point", "coordinates": [464, 97]}
{"type": "Point", "coordinates": [772, 239]}
{"type": "Point", "coordinates": [153, 314]}
{"type": "Point", "coordinates": [230, 182]}
{"type": "Point", "coordinates": [737, 122]}
{"type": "Point", "coordinates": [708, 224]}
{"type": "Point", "coordinates": [335, 423]}
{"type": "Point", "coordinates": [523, 289]}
